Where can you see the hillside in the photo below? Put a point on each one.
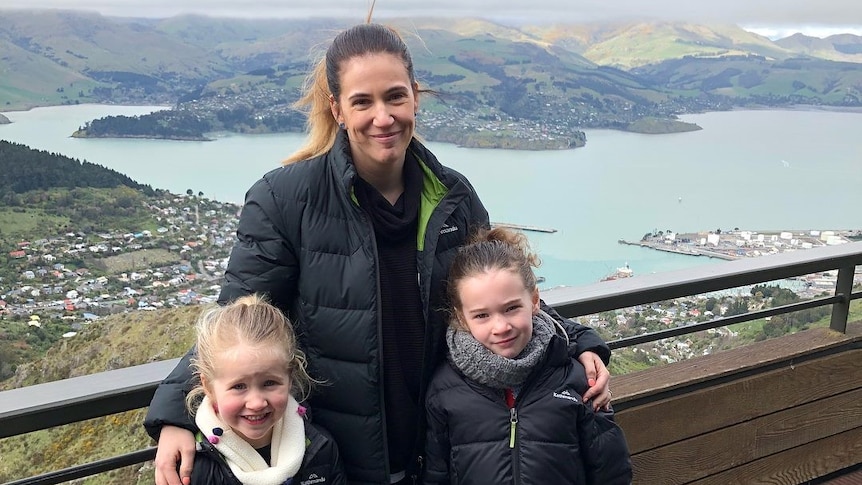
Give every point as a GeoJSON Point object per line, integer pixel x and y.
{"type": "Point", "coordinates": [842, 47]}
{"type": "Point", "coordinates": [629, 45]}
{"type": "Point", "coordinates": [495, 84]}
{"type": "Point", "coordinates": [79, 241]}
{"type": "Point", "coordinates": [26, 169]}
{"type": "Point", "coordinates": [754, 80]}
{"type": "Point", "coordinates": [116, 341]}
{"type": "Point", "coordinates": [44, 196]}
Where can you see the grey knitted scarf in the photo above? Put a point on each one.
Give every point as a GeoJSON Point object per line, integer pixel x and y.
{"type": "Point", "coordinates": [497, 372]}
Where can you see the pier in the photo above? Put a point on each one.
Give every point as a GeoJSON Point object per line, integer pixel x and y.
{"type": "Point", "coordinates": [678, 249]}
{"type": "Point", "coordinates": [738, 244]}
{"type": "Point", "coordinates": [522, 227]}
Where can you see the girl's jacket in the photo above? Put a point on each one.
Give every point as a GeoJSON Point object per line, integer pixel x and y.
{"type": "Point", "coordinates": [550, 436]}
{"type": "Point", "coordinates": [321, 464]}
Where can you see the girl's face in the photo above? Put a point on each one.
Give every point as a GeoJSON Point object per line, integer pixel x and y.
{"type": "Point", "coordinates": [250, 391]}
{"type": "Point", "coordinates": [498, 310]}
{"type": "Point", "coordinates": [378, 106]}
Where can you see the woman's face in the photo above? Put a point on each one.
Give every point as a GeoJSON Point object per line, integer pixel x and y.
{"type": "Point", "coordinates": [378, 106]}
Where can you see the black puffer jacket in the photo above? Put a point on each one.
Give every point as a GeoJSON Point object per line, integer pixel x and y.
{"type": "Point", "coordinates": [549, 437]}
{"type": "Point", "coordinates": [304, 240]}
{"type": "Point", "coordinates": [320, 465]}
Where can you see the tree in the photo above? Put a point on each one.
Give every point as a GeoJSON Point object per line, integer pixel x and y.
{"type": "Point", "coordinates": [709, 305]}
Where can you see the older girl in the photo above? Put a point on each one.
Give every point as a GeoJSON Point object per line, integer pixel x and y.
{"type": "Point", "coordinates": [508, 407]}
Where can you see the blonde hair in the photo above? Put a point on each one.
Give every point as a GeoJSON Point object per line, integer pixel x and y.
{"type": "Point", "coordinates": [250, 320]}
{"type": "Point", "coordinates": [324, 81]}
{"type": "Point", "coordinates": [491, 249]}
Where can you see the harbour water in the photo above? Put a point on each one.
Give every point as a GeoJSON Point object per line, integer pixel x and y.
{"type": "Point", "coordinates": [756, 170]}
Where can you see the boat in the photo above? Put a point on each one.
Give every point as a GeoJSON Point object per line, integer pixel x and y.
{"type": "Point", "coordinates": [621, 272]}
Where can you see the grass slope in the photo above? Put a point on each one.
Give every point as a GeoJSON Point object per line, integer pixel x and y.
{"type": "Point", "coordinates": [114, 342]}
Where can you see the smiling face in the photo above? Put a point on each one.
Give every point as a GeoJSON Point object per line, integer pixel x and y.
{"type": "Point", "coordinates": [498, 310]}
{"type": "Point", "coordinates": [378, 106]}
{"type": "Point", "coordinates": [250, 390]}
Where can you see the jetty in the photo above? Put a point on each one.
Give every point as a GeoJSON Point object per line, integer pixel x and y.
{"type": "Point", "coordinates": [679, 249]}
{"type": "Point", "coordinates": [738, 244]}
{"type": "Point", "coordinates": [522, 227]}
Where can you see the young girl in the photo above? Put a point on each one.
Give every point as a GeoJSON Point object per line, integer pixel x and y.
{"type": "Point", "coordinates": [252, 430]}
{"type": "Point", "coordinates": [507, 407]}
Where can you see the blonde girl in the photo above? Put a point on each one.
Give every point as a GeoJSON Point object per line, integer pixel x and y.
{"type": "Point", "coordinates": [249, 373]}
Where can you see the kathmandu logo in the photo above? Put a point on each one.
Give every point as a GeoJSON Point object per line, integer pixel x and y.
{"type": "Point", "coordinates": [312, 479]}
{"type": "Point", "coordinates": [447, 229]}
{"type": "Point", "coordinates": [565, 395]}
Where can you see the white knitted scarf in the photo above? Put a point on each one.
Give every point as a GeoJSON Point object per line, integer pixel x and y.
{"type": "Point", "coordinates": [288, 446]}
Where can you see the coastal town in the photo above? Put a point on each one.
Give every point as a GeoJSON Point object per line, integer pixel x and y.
{"type": "Point", "coordinates": [78, 277]}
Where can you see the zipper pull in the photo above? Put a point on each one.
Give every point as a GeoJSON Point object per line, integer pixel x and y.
{"type": "Point", "coordinates": [513, 422]}
{"type": "Point", "coordinates": [513, 414]}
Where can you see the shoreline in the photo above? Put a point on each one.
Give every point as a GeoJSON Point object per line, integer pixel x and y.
{"type": "Point", "coordinates": [797, 107]}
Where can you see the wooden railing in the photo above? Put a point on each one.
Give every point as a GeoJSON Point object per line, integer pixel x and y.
{"type": "Point", "coordinates": [783, 411]}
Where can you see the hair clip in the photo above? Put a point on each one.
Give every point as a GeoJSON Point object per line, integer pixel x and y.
{"type": "Point", "coordinates": [214, 439]}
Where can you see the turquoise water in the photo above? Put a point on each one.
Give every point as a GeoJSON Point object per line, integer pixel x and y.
{"type": "Point", "coordinates": [758, 170]}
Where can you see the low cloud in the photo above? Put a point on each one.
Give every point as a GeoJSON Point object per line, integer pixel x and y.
{"type": "Point", "coordinates": [836, 14]}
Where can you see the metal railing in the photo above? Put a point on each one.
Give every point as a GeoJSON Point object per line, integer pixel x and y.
{"type": "Point", "coordinates": [38, 407]}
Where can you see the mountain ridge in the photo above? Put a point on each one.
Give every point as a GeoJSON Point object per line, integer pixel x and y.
{"type": "Point", "coordinates": [495, 82]}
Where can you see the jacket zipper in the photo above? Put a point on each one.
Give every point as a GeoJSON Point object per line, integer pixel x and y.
{"type": "Point", "coordinates": [513, 430]}
{"type": "Point", "coordinates": [379, 312]}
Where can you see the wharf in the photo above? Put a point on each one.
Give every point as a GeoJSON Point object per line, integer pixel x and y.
{"type": "Point", "coordinates": [688, 250]}
{"type": "Point", "coordinates": [739, 244]}
{"type": "Point", "coordinates": [522, 227]}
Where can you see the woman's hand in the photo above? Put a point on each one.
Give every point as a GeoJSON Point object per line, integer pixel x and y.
{"type": "Point", "coordinates": [176, 446]}
{"type": "Point", "coordinates": [599, 380]}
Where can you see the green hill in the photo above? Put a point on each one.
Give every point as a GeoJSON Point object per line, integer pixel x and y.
{"type": "Point", "coordinates": [26, 169]}
{"type": "Point", "coordinates": [744, 80]}
{"type": "Point", "coordinates": [497, 85]}
{"type": "Point", "coordinates": [632, 45]}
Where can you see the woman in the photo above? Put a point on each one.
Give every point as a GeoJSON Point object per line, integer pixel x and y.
{"type": "Point", "coordinates": [353, 239]}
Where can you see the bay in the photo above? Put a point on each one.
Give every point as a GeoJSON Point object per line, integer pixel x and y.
{"type": "Point", "coordinates": [756, 170]}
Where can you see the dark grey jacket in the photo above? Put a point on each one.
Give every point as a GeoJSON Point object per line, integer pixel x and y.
{"type": "Point", "coordinates": [304, 240]}
{"type": "Point", "coordinates": [550, 436]}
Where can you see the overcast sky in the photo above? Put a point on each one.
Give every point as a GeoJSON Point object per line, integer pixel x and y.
{"type": "Point", "coordinates": [769, 17]}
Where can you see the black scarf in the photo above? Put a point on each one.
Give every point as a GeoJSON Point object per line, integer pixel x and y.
{"type": "Point", "coordinates": [393, 221]}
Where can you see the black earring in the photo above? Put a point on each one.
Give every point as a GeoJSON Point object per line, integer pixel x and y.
{"type": "Point", "coordinates": [341, 125]}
